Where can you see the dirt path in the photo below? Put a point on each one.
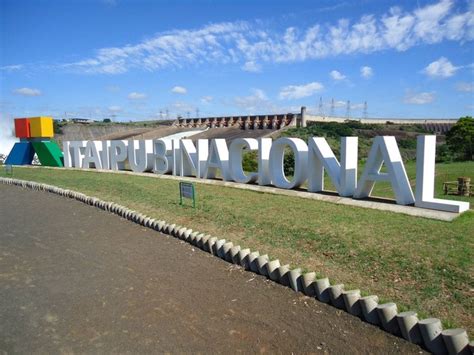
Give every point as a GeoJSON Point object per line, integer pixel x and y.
{"type": "Point", "coordinates": [76, 279]}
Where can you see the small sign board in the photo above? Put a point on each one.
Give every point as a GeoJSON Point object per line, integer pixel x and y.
{"type": "Point", "coordinates": [9, 170]}
{"type": "Point", "coordinates": [186, 190]}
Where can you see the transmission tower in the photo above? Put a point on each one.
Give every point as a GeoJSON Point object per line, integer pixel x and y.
{"type": "Point", "coordinates": [197, 113]}
{"type": "Point", "coordinates": [348, 109]}
{"type": "Point", "coordinates": [365, 113]}
{"type": "Point", "coordinates": [161, 114]}
{"type": "Point", "coordinates": [332, 108]}
{"type": "Point", "coordinates": [167, 114]}
{"type": "Point", "coordinates": [188, 114]}
{"type": "Point", "coordinates": [320, 107]}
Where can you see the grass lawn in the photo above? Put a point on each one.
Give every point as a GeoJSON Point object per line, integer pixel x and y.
{"type": "Point", "coordinates": [421, 264]}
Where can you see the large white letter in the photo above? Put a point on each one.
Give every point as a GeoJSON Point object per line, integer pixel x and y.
{"type": "Point", "coordinates": [176, 158]}
{"type": "Point", "coordinates": [193, 160]}
{"type": "Point", "coordinates": [139, 159]}
{"type": "Point", "coordinates": [343, 176]}
{"type": "Point", "coordinates": [385, 149]}
{"type": "Point", "coordinates": [264, 147]}
{"type": "Point", "coordinates": [218, 159]}
{"type": "Point", "coordinates": [163, 149]}
{"type": "Point", "coordinates": [91, 156]}
{"type": "Point", "coordinates": [235, 159]}
{"type": "Point", "coordinates": [425, 176]}
{"type": "Point", "coordinates": [118, 155]}
{"type": "Point", "coordinates": [77, 148]}
{"type": "Point", "coordinates": [67, 155]}
{"type": "Point", "coordinates": [277, 155]}
{"type": "Point", "coordinates": [104, 151]}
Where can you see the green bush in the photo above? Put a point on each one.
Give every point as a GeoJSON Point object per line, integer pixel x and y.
{"type": "Point", "coordinates": [460, 139]}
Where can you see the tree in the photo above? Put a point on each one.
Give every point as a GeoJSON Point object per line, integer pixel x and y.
{"type": "Point", "coordinates": [460, 138]}
{"type": "Point", "coordinates": [107, 120]}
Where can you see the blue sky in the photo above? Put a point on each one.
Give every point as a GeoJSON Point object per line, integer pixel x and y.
{"type": "Point", "coordinates": [135, 59]}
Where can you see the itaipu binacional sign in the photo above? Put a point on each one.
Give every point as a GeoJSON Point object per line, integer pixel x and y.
{"type": "Point", "coordinates": [205, 159]}
{"type": "Point", "coordinates": [182, 157]}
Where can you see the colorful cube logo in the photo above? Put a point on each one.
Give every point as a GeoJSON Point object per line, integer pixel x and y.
{"type": "Point", "coordinates": [35, 134]}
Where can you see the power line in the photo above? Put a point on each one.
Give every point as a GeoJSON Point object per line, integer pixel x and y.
{"type": "Point", "coordinates": [320, 108]}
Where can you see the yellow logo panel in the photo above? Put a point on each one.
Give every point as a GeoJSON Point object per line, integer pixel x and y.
{"type": "Point", "coordinates": [41, 127]}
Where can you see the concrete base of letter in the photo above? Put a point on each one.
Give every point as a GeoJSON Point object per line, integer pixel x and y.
{"type": "Point", "coordinates": [295, 280]}
{"type": "Point", "coordinates": [430, 330]}
{"type": "Point", "coordinates": [321, 288]}
{"type": "Point", "coordinates": [456, 341]}
{"type": "Point", "coordinates": [408, 324]}
{"type": "Point", "coordinates": [335, 294]}
{"type": "Point", "coordinates": [351, 301]}
{"type": "Point", "coordinates": [388, 317]}
{"type": "Point", "coordinates": [307, 281]}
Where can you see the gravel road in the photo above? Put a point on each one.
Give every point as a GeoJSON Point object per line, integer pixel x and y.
{"type": "Point", "coordinates": [76, 279]}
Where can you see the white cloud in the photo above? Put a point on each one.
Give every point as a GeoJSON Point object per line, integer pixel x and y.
{"type": "Point", "coordinates": [10, 68]}
{"type": "Point", "coordinates": [299, 91]}
{"type": "Point", "coordinates": [258, 102]}
{"type": "Point", "coordinates": [335, 75]}
{"type": "Point", "coordinates": [249, 44]}
{"type": "Point", "coordinates": [252, 67]}
{"type": "Point", "coordinates": [27, 92]}
{"type": "Point", "coordinates": [115, 108]}
{"type": "Point", "coordinates": [441, 68]}
{"type": "Point", "coordinates": [179, 90]}
{"type": "Point", "coordinates": [366, 72]}
{"type": "Point", "coordinates": [206, 99]}
{"type": "Point", "coordinates": [465, 87]}
{"type": "Point", "coordinates": [136, 96]}
{"type": "Point", "coordinates": [421, 98]}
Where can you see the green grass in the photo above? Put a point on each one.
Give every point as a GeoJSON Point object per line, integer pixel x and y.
{"type": "Point", "coordinates": [424, 265]}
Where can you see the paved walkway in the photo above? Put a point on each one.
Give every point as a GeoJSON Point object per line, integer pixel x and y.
{"type": "Point", "coordinates": [77, 279]}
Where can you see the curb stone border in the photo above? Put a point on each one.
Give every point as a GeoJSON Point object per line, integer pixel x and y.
{"type": "Point", "coordinates": [427, 333]}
